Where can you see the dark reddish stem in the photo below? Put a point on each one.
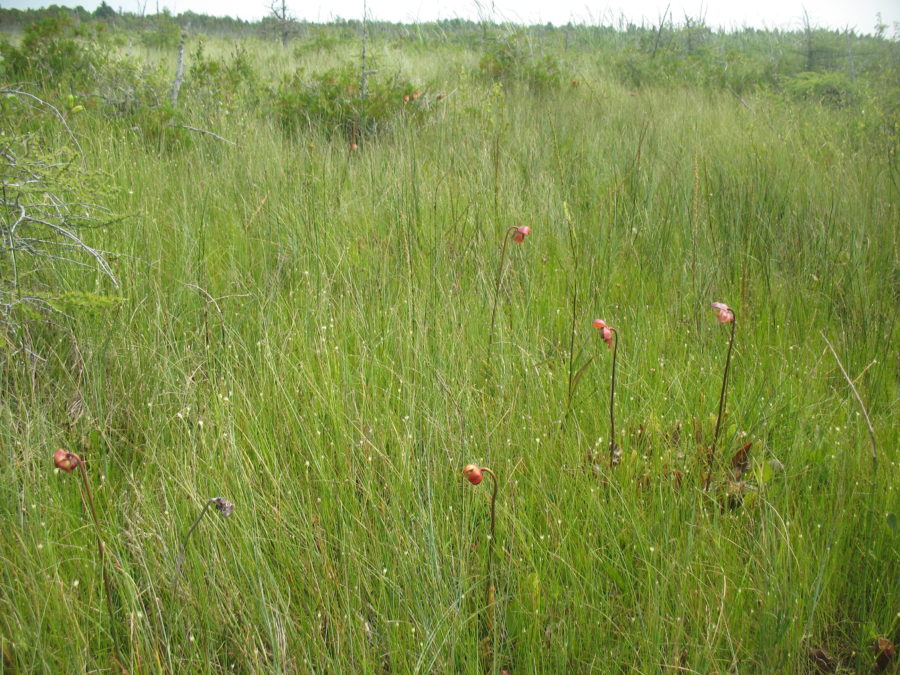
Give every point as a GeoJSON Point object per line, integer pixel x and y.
{"type": "Point", "coordinates": [490, 564]}
{"type": "Point", "coordinates": [612, 401]}
{"type": "Point", "coordinates": [88, 496]}
{"type": "Point", "coordinates": [712, 449]}
{"type": "Point", "coordinates": [509, 231]}
{"type": "Point", "coordinates": [493, 521]}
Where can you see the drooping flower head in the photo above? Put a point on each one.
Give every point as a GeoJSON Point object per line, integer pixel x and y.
{"type": "Point", "coordinates": [223, 506]}
{"type": "Point", "coordinates": [606, 332]}
{"type": "Point", "coordinates": [65, 460]}
{"type": "Point", "coordinates": [473, 474]}
{"type": "Point", "coordinates": [520, 233]}
{"type": "Point", "coordinates": [723, 312]}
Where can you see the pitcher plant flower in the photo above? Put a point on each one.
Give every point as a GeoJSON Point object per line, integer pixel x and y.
{"type": "Point", "coordinates": [473, 474]}
{"type": "Point", "coordinates": [724, 314]}
{"type": "Point", "coordinates": [611, 337]}
{"type": "Point", "coordinates": [518, 233]}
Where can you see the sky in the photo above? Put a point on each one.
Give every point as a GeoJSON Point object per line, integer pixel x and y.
{"type": "Point", "coordinates": [856, 14]}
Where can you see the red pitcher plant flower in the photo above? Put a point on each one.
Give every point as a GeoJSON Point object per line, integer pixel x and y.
{"type": "Point", "coordinates": [723, 312]}
{"type": "Point", "coordinates": [611, 337]}
{"type": "Point", "coordinates": [520, 233]}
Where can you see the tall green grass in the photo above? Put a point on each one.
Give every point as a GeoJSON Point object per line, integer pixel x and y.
{"type": "Point", "coordinates": [341, 379]}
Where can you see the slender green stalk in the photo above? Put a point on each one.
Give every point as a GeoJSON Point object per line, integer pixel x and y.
{"type": "Point", "coordinates": [101, 548]}
{"type": "Point", "coordinates": [473, 474]}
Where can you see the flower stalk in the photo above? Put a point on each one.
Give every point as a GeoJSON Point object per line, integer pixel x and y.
{"type": "Point", "coordinates": [518, 234]}
{"type": "Point", "coordinates": [68, 462]}
{"type": "Point", "coordinates": [724, 314]}
{"type": "Point", "coordinates": [474, 474]}
{"type": "Point", "coordinates": [224, 507]}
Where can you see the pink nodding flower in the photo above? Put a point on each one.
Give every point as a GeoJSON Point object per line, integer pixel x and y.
{"type": "Point", "coordinates": [65, 460]}
{"type": "Point", "coordinates": [723, 312]}
{"type": "Point", "coordinates": [606, 332]}
{"type": "Point", "coordinates": [520, 233]}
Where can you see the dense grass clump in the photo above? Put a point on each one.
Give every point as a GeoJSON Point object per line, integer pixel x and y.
{"type": "Point", "coordinates": [318, 334]}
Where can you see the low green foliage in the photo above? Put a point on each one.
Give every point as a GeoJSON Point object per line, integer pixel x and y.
{"type": "Point", "coordinates": [54, 52]}
{"type": "Point", "coordinates": [333, 102]}
{"type": "Point", "coordinates": [510, 62]}
{"type": "Point", "coordinates": [835, 89]}
{"type": "Point", "coordinates": [165, 35]}
{"type": "Point", "coordinates": [226, 82]}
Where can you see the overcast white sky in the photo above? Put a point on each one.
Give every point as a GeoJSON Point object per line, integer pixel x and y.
{"type": "Point", "coordinates": [858, 14]}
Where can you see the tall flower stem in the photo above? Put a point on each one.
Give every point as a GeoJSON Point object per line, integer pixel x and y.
{"type": "Point", "coordinates": [474, 474]}
{"type": "Point", "coordinates": [491, 594]}
{"type": "Point", "coordinates": [722, 395]}
{"type": "Point", "coordinates": [613, 457]}
{"type": "Point", "coordinates": [101, 549]}
{"type": "Point", "coordinates": [223, 506]}
{"type": "Point", "coordinates": [490, 563]}
{"type": "Point", "coordinates": [67, 461]}
{"type": "Point", "coordinates": [509, 232]}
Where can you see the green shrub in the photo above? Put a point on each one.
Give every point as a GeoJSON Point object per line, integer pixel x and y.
{"type": "Point", "coordinates": [507, 62]}
{"type": "Point", "coordinates": [223, 81]}
{"type": "Point", "coordinates": [830, 88]}
{"type": "Point", "coordinates": [166, 35]}
{"type": "Point", "coordinates": [332, 101]}
{"type": "Point", "coordinates": [321, 40]}
{"type": "Point", "coordinates": [53, 54]}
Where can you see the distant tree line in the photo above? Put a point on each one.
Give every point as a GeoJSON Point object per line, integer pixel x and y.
{"type": "Point", "coordinates": [834, 66]}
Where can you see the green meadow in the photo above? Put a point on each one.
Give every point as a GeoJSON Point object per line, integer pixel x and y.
{"type": "Point", "coordinates": [300, 323]}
